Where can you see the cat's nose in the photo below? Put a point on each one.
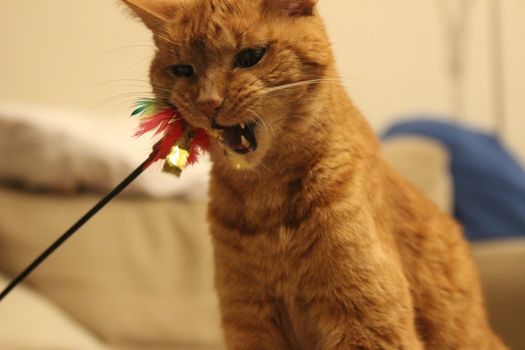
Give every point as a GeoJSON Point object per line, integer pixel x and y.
{"type": "Point", "coordinates": [210, 107]}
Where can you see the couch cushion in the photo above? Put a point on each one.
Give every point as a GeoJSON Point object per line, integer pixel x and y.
{"type": "Point", "coordinates": [138, 275]}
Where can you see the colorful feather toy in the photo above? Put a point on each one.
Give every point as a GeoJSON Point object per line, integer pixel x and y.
{"type": "Point", "coordinates": [180, 144]}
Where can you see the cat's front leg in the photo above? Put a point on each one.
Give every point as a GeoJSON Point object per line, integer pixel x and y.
{"type": "Point", "coordinates": [342, 334]}
{"type": "Point", "coordinates": [360, 321]}
{"type": "Point", "coordinates": [249, 317]}
{"type": "Point", "coordinates": [251, 323]}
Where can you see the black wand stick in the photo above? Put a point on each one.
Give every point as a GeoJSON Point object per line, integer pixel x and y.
{"type": "Point", "coordinates": [88, 216]}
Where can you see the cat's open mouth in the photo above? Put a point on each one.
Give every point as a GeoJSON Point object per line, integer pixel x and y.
{"type": "Point", "coordinates": [240, 138]}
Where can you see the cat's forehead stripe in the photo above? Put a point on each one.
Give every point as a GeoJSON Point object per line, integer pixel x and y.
{"type": "Point", "coordinates": [212, 37]}
{"type": "Point", "coordinates": [221, 22]}
{"type": "Point", "coordinates": [215, 35]}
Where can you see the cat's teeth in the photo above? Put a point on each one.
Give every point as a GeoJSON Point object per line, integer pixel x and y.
{"type": "Point", "coordinates": [242, 125]}
{"type": "Point", "coordinates": [244, 142]}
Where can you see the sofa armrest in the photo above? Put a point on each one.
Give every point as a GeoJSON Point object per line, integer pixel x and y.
{"type": "Point", "coordinates": [502, 269]}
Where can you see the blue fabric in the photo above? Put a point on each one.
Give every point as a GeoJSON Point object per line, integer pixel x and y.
{"type": "Point", "coordinates": [489, 183]}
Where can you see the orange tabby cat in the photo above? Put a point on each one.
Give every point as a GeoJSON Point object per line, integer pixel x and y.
{"type": "Point", "coordinates": [318, 243]}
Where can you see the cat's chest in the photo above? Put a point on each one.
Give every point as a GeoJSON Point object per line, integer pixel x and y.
{"type": "Point", "coordinates": [273, 236]}
{"type": "Point", "coordinates": [273, 208]}
{"type": "Point", "coordinates": [270, 253]}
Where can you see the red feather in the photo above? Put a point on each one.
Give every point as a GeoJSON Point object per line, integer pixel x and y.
{"type": "Point", "coordinates": [158, 121]}
{"type": "Point", "coordinates": [202, 139]}
{"type": "Point", "coordinates": [200, 144]}
{"type": "Point", "coordinates": [172, 133]}
{"type": "Point", "coordinates": [172, 125]}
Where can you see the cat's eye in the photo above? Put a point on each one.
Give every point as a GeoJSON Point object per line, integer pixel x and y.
{"type": "Point", "coordinates": [249, 57]}
{"type": "Point", "coordinates": [178, 71]}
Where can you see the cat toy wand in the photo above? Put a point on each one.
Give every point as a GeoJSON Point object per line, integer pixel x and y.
{"type": "Point", "coordinates": [179, 146]}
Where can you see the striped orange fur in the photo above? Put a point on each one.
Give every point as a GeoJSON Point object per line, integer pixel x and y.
{"type": "Point", "coordinates": [318, 243]}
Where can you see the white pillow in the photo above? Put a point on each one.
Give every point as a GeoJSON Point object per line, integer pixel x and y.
{"type": "Point", "coordinates": [28, 321]}
{"type": "Point", "coordinates": [65, 151]}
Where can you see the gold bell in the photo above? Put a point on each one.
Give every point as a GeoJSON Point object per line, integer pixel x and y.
{"type": "Point", "coordinates": [177, 159]}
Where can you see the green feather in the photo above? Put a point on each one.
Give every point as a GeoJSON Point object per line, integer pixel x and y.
{"type": "Point", "coordinates": [139, 110]}
{"type": "Point", "coordinates": [145, 106]}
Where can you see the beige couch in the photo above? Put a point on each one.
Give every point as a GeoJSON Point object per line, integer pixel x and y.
{"type": "Point", "coordinates": [139, 276]}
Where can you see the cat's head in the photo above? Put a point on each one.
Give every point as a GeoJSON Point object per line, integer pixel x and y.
{"type": "Point", "coordinates": [238, 65]}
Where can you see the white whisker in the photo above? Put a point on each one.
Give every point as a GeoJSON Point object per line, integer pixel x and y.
{"type": "Point", "coordinates": [119, 49]}
{"type": "Point", "coordinates": [118, 97]}
{"type": "Point", "coordinates": [303, 83]}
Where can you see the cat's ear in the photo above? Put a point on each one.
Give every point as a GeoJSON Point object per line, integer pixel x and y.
{"type": "Point", "coordinates": [294, 8]}
{"type": "Point", "coordinates": [154, 13]}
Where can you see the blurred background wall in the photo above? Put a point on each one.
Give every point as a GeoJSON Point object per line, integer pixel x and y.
{"type": "Point", "coordinates": [394, 56]}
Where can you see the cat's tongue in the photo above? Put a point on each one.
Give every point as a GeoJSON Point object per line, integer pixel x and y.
{"type": "Point", "coordinates": [233, 137]}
